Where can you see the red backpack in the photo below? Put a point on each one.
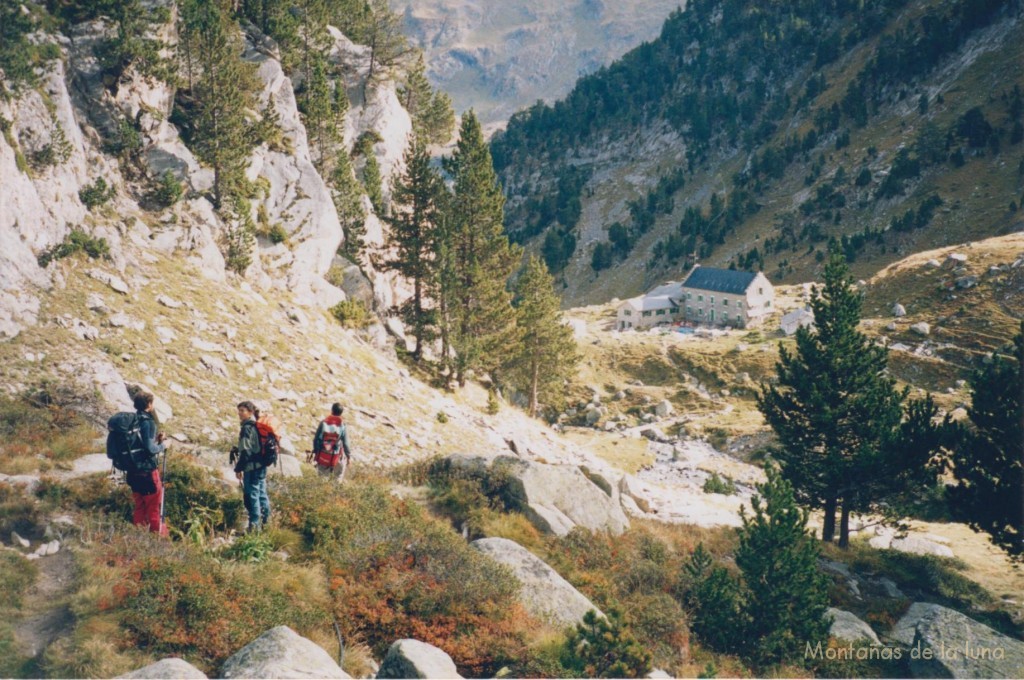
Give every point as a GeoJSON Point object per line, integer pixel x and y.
{"type": "Point", "coordinates": [331, 448]}
{"type": "Point", "coordinates": [266, 428]}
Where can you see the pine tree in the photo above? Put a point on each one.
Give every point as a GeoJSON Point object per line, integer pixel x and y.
{"type": "Point", "coordinates": [602, 647]}
{"type": "Point", "coordinates": [319, 109]}
{"type": "Point", "coordinates": [133, 43]}
{"type": "Point", "coordinates": [989, 459]}
{"type": "Point", "coordinates": [383, 34]}
{"type": "Point", "coordinates": [712, 597]}
{"type": "Point", "coordinates": [834, 409]}
{"type": "Point", "coordinates": [482, 317]}
{"type": "Point", "coordinates": [414, 226]}
{"type": "Point", "coordinates": [373, 184]}
{"type": "Point", "coordinates": [786, 595]}
{"type": "Point", "coordinates": [347, 194]}
{"type": "Point", "coordinates": [432, 115]}
{"type": "Point", "coordinates": [223, 94]}
{"type": "Point", "coordinates": [547, 355]}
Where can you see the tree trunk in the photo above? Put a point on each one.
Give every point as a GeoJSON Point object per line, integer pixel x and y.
{"type": "Point", "coordinates": [534, 379]}
{"type": "Point", "coordinates": [844, 528]}
{"type": "Point", "coordinates": [828, 527]}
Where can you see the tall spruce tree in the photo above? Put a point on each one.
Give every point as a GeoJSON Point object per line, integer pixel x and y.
{"type": "Point", "coordinates": [547, 354]}
{"type": "Point", "coordinates": [223, 94]}
{"type": "Point", "coordinates": [834, 408]}
{"type": "Point", "coordinates": [383, 35]}
{"type": "Point", "coordinates": [483, 320]}
{"type": "Point", "coordinates": [320, 115]}
{"type": "Point", "coordinates": [988, 463]}
{"type": "Point", "coordinates": [786, 594]}
{"type": "Point", "coordinates": [414, 226]}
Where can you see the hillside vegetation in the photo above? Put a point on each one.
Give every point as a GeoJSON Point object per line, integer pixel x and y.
{"type": "Point", "coordinates": [754, 135]}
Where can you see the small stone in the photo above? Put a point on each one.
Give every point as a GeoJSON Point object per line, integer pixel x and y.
{"type": "Point", "coordinates": [23, 542]}
{"type": "Point", "coordinates": [168, 301]}
{"type": "Point", "coordinates": [898, 310]}
{"type": "Point", "coordinates": [921, 328]}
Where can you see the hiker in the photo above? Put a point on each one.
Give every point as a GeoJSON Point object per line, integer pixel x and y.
{"type": "Point", "coordinates": [250, 469]}
{"type": "Point", "coordinates": [144, 480]}
{"type": "Point", "coordinates": [331, 443]}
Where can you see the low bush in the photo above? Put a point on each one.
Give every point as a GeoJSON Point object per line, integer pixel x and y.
{"type": "Point", "coordinates": [719, 484]}
{"type": "Point", "coordinates": [601, 647]}
{"type": "Point", "coordinates": [352, 314]}
{"type": "Point", "coordinates": [36, 433]}
{"type": "Point", "coordinates": [96, 194]}
{"type": "Point", "coordinates": [168, 190]}
{"type": "Point", "coordinates": [277, 234]}
{"type": "Point", "coordinates": [77, 241]}
{"type": "Point", "coordinates": [396, 572]}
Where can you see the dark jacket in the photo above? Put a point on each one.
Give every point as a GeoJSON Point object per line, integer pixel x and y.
{"type": "Point", "coordinates": [248, 448]}
{"type": "Point", "coordinates": [147, 432]}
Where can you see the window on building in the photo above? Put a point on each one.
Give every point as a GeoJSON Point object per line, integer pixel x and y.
{"type": "Point", "coordinates": [712, 299]}
{"type": "Point", "coordinates": [740, 304]}
{"type": "Point", "coordinates": [689, 310]}
{"type": "Point", "coordinates": [700, 298]}
{"type": "Point", "coordinates": [628, 313]}
{"type": "Point", "coordinates": [725, 302]}
{"type": "Point", "coordinates": [646, 314]}
{"type": "Point", "coordinates": [700, 312]}
{"type": "Point", "coordinates": [767, 303]}
{"type": "Point", "coordinates": [675, 310]}
{"type": "Point", "coordinates": [689, 296]}
{"type": "Point", "coordinates": [739, 317]}
{"type": "Point", "coordinates": [660, 312]}
{"type": "Point", "coordinates": [760, 291]}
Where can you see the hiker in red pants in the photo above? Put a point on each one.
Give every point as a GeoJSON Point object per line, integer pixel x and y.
{"type": "Point", "coordinates": [146, 485]}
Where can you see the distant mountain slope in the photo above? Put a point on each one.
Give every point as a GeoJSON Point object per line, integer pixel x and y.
{"type": "Point", "coordinates": [754, 134]}
{"type": "Point", "coordinates": [501, 57]}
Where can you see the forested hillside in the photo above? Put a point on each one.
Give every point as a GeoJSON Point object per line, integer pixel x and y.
{"type": "Point", "coordinates": [754, 134]}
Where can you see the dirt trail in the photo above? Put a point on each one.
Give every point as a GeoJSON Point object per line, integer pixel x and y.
{"type": "Point", "coordinates": [46, 615]}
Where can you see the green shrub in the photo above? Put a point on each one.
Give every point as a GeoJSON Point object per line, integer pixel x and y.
{"type": "Point", "coordinates": [77, 241]}
{"type": "Point", "coordinates": [493, 405]}
{"type": "Point", "coordinates": [605, 648]}
{"type": "Point", "coordinates": [352, 313]}
{"type": "Point", "coordinates": [441, 417]}
{"type": "Point", "coordinates": [251, 547]}
{"type": "Point", "coordinates": [277, 234]}
{"type": "Point", "coordinates": [719, 484]}
{"type": "Point", "coordinates": [168, 190]}
{"type": "Point", "coordinates": [96, 194]}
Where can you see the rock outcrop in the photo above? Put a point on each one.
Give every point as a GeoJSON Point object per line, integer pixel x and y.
{"type": "Point", "coordinates": [281, 653]}
{"type": "Point", "coordinates": [951, 645]}
{"type": "Point", "coordinates": [167, 669]}
{"type": "Point", "coordinates": [544, 593]}
{"type": "Point", "coordinates": [414, 659]}
{"type": "Point", "coordinates": [846, 626]}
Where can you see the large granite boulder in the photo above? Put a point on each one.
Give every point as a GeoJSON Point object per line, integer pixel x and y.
{"type": "Point", "coordinates": [558, 498]}
{"type": "Point", "coordinates": [544, 593]}
{"type": "Point", "coordinates": [944, 643]}
{"type": "Point", "coordinates": [167, 669]}
{"type": "Point", "coordinates": [281, 653]}
{"type": "Point", "coordinates": [414, 659]}
{"type": "Point", "coordinates": [846, 626]}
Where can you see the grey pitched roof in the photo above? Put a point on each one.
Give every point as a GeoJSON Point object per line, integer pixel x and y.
{"type": "Point", "coordinates": [719, 280]}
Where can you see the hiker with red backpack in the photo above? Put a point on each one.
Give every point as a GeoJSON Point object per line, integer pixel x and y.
{"type": "Point", "coordinates": [134, 445]}
{"type": "Point", "coordinates": [251, 465]}
{"type": "Point", "coordinates": [330, 444]}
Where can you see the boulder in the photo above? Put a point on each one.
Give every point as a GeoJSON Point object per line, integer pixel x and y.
{"type": "Point", "coordinates": [288, 466]}
{"type": "Point", "coordinates": [846, 626]}
{"type": "Point", "coordinates": [544, 593]}
{"type": "Point", "coordinates": [91, 464]}
{"type": "Point", "coordinates": [912, 543]}
{"type": "Point", "coordinates": [956, 260]}
{"type": "Point", "coordinates": [281, 653]}
{"type": "Point", "coordinates": [663, 409]}
{"type": "Point", "coordinates": [899, 310]}
{"type": "Point", "coordinates": [167, 669]}
{"type": "Point", "coordinates": [965, 282]}
{"type": "Point", "coordinates": [959, 646]}
{"type": "Point", "coordinates": [414, 659]}
{"type": "Point", "coordinates": [921, 328]}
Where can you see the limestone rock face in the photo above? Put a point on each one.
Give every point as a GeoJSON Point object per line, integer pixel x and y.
{"type": "Point", "coordinates": [846, 626]}
{"type": "Point", "coordinates": [167, 669]}
{"type": "Point", "coordinates": [545, 594]}
{"type": "Point", "coordinates": [281, 653]}
{"type": "Point", "coordinates": [960, 646]}
{"type": "Point", "coordinates": [414, 659]}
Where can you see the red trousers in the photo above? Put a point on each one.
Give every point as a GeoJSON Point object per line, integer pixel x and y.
{"type": "Point", "coordinates": [147, 507]}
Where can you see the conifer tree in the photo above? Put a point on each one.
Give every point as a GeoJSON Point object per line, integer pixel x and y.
{"type": "Point", "coordinates": [319, 109]}
{"type": "Point", "coordinates": [712, 596]}
{"type": "Point", "coordinates": [988, 462]}
{"type": "Point", "coordinates": [373, 184]}
{"type": "Point", "coordinates": [835, 409]}
{"type": "Point", "coordinates": [383, 35]}
{"type": "Point", "coordinates": [414, 225]}
{"type": "Point", "coordinates": [602, 647]}
{"type": "Point", "coordinates": [224, 93]}
{"type": "Point", "coordinates": [483, 320]}
{"type": "Point", "coordinates": [786, 596]}
{"type": "Point", "coordinates": [347, 195]}
{"type": "Point", "coordinates": [432, 115]}
{"type": "Point", "coordinates": [547, 353]}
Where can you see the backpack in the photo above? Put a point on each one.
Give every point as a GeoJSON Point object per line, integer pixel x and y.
{"type": "Point", "coordinates": [124, 441]}
{"type": "Point", "coordinates": [330, 452]}
{"type": "Point", "coordinates": [270, 441]}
